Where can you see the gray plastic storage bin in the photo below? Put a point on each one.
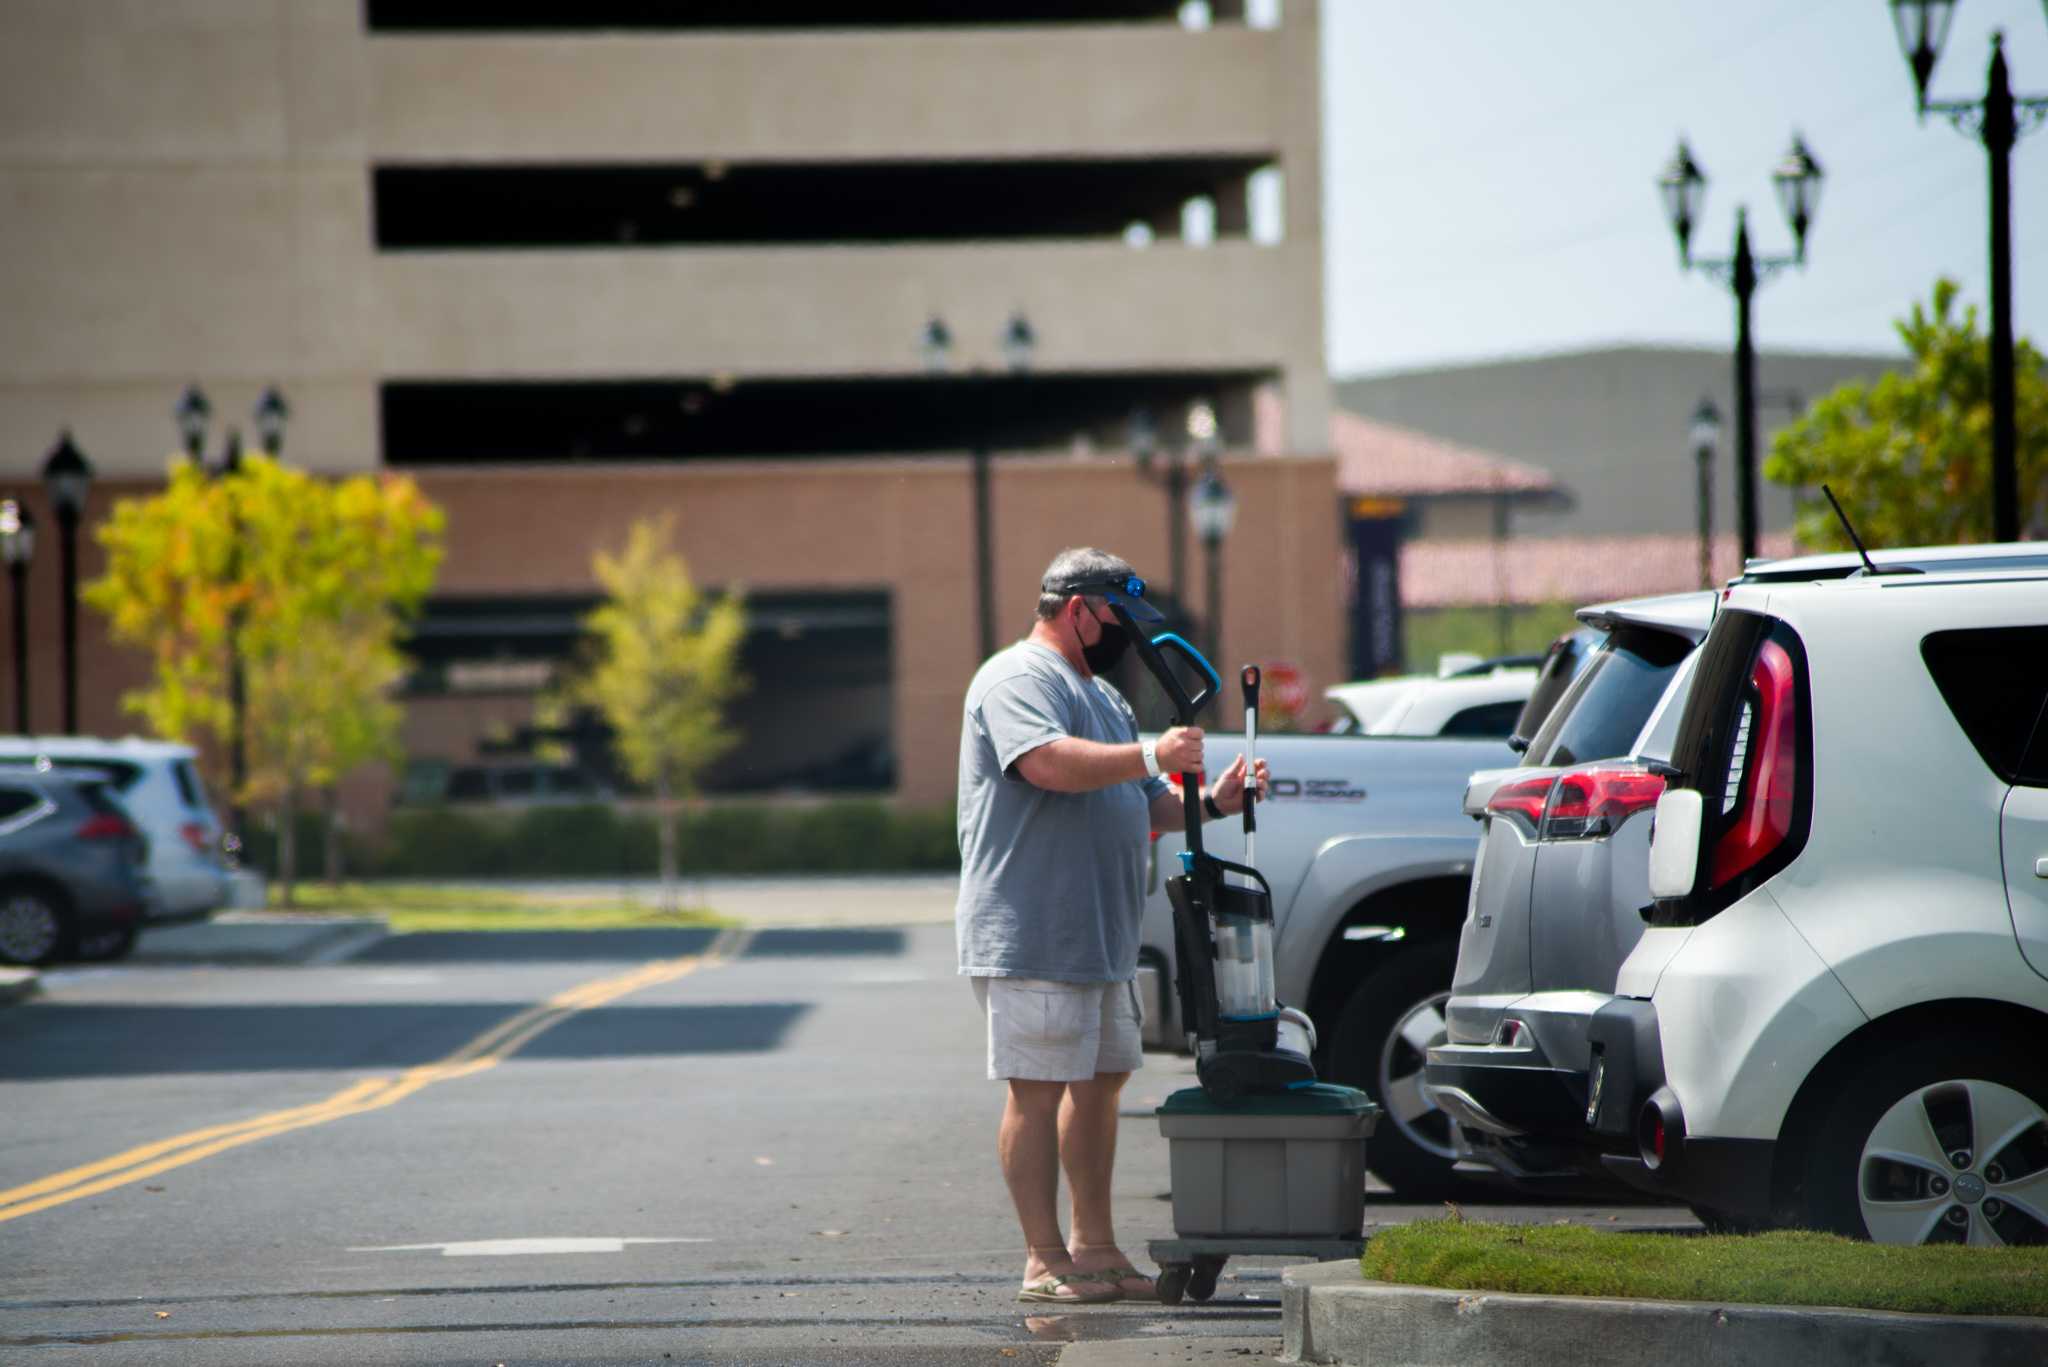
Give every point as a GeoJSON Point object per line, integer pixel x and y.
{"type": "Point", "coordinates": [1290, 1164]}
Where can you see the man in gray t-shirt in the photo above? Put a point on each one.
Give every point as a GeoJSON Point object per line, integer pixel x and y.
{"type": "Point", "coordinates": [1058, 797]}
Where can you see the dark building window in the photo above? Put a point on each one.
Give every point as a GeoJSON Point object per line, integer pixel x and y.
{"type": "Point", "coordinates": [398, 16]}
{"type": "Point", "coordinates": [818, 717]}
{"type": "Point", "coordinates": [455, 422]}
{"type": "Point", "coordinates": [704, 204]}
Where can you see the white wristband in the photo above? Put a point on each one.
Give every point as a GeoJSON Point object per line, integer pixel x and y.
{"type": "Point", "coordinates": [1150, 750]}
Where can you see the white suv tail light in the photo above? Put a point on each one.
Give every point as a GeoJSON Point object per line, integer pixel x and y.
{"type": "Point", "coordinates": [1763, 778]}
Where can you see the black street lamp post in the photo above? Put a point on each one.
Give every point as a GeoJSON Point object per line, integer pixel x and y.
{"type": "Point", "coordinates": [18, 547]}
{"type": "Point", "coordinates": [1683, 185]}
{"type": "Point", "coordinates": [1706, 443]}
{"type": "Point", "coordinates": [1173, 478]}
{"type": "Point", "coordinates": [1999, 120]}
{"type": "Point", "coordinates": [1202, 444]}
{"type": "Point", "coordinates": [1212, 508]}
{"type": "Point", "coordinates": [238, 684]}
{"type": "Point", "coordinates": [67, 475]}
{"type": "Point", "coordinates": [1019, 343]}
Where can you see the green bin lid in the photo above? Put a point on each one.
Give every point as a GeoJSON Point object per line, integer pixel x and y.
{"type": "Point", "coordinates": [1322, 1098]}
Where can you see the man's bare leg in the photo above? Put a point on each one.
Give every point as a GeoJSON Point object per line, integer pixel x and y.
{"type": "Point", "coordinates": [1029, 1146]}
{"type": "Point", "coordinates": [1088, 1153]}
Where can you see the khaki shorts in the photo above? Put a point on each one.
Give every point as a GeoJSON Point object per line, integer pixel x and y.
{"type": "Point", "coordinates": [1042, 1031]}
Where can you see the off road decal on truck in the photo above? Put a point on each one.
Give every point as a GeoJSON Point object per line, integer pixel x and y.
{"type": "Point", "coordinates": [1318, 789]}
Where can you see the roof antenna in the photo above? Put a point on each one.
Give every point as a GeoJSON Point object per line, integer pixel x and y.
{"type": "Point", "coordinates": [1869, 566]}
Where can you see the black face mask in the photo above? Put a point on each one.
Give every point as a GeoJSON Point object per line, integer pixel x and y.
{"type": "Point", "coordinates": [1104, 654]}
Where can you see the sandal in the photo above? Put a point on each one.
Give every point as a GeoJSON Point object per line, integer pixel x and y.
{"type": "Point", "coordinates": [1147, 1291]}
{"type": "Point", "coordinates": [1047, 1289]}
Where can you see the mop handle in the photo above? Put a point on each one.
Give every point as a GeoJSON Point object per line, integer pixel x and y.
{"type": "Point", "coordinates": [1249, 677]}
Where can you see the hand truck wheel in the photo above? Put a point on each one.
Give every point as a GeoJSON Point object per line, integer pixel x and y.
{"type": "Point", "coordinates": [1202, 1278]}
{"type": "Point", "coordinates": [1173, 1280]}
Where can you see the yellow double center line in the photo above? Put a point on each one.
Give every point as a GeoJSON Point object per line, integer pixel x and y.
{"type": "Point", "coordinates": [487, 1050]}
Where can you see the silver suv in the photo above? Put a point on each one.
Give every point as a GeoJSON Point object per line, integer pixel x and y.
{"type": "Point", "coordinates": [74, 878]}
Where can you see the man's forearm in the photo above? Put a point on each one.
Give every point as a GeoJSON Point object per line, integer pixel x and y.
{"type": "Point", "coordinates": [1070, 765]}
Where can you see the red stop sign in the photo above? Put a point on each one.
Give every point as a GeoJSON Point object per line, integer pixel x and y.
{"type": "Point", "coordinates": [1283, 688]}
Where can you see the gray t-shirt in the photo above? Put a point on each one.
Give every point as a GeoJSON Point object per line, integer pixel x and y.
{"type": "Point", "coordinates": [1052, 885]}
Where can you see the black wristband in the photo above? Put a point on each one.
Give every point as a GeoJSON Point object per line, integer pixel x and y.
{"type": "Point", "coordinates": [1209, 805]}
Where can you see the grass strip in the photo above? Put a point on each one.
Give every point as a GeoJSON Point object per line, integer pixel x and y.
{"type": "Point", "coordinates": [1788, 1267]}
{"type": "Point", "coordinates": [409, 907]}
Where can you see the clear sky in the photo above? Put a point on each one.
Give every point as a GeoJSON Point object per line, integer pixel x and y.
{"type": "Point", "coordinates": [1490, 166]}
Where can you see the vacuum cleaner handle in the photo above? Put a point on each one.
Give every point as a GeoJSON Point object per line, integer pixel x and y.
{"type": "Point", "coordinates": [1249, 677]}
{"type": "Point", "coordinates": [1185, 708]}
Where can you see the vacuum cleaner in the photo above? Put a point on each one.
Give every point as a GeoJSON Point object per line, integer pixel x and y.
{"type": "Point", "coordinates": [1243, 1040]}
{"type": "Point", "coordinates": [1264, 1158]}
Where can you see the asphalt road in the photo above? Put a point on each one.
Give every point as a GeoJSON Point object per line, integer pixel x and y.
{"type": "Point", "coordinates": [767, 1147]}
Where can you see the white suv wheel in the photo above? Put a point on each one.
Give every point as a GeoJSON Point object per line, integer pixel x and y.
{"type": "Point", "coordinates": [1962, 1161]}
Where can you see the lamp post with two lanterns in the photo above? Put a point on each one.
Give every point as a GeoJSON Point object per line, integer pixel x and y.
{"type": "Point", "coordinates": [17, 548]}
{"type": "Point", "coordinates": [1019, 343]}
{"type": "Point", "coordinates": [1797, 179]}
{"type": "Point", "coordinates": [1998, 119]}
{"type": "Point", "coordinates": [193, 413]}
{"type": "Point", "coordinates": [1171, 474]}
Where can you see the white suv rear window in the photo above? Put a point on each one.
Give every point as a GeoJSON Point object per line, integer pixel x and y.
{"type": "Point", "coordinates": [1995, 681]}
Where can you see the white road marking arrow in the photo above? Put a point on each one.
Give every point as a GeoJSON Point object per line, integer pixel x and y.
{"type": "Point", "coordinates": [506, 1248]}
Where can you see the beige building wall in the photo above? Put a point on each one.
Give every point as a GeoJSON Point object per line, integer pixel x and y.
{"type": "Point", "coordinates": [185, 196]}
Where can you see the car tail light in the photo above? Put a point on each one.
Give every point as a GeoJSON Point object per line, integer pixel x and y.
{"type": "Point", "coordinates": [195, 836]}
{"type": "Point", "coordinates": [105, 826]}
{"type": "Point", "coordinates": [1522, 801]}
{"type": "Point", "coordinates": [1651, 1136]}
{"type": "Point", "coordinates": [1591, 802]}
{"type": "Point", "coordinates": [1763, 770]}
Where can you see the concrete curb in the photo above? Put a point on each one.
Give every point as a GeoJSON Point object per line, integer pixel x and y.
{"type": "Point", "coordinates": [1172, 1352]}
{"type": "Point", "coordinates": [18, 985]}
{"type": "Point", "coordinates": [1331, 1314]}
{"type": "Point", "coordinates": [246, 937]}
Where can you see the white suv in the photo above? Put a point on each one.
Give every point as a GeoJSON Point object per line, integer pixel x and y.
{"type": "Point", "coordinates": [158, 782]}
{"type": "Point", "coordinates": [1838, 1017]}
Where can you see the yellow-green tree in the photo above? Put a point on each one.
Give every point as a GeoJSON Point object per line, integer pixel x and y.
{"type": "Point", "coordinates": [309, 581]}
{"type": "Point", "coordinates": [663, 663]}
{"type": "Point", "coordinates": [1909, 455]}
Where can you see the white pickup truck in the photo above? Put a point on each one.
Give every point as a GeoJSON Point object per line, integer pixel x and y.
{"type": "Point", "coordinates": [1370, 854]}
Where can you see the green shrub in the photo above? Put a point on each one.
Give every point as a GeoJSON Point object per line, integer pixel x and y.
{"type": "Point", "coordinates": [259, 844]}
{"type": "Point", "coordinates": [607, 842]}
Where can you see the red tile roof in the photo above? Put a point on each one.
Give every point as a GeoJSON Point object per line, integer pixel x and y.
{"type": "Point", "coordinates": [1566, 569]}
{"type": "Point", "coordinates": [1381, 460]}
